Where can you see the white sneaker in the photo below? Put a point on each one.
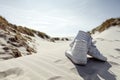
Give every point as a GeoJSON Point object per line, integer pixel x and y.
{"type": "Point", "coordinates": [94, 52]}
{"type": "Point", "coordinates": [78, 53]}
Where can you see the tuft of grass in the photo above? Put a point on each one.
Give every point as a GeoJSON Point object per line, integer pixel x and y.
{"type": "Point", "coordinates": [43, 35]}
{"type": "Point", "coordinates": [4, 24]}
{"type": "Point", "coordinates": [3, 20]}
{"type": "Point", "coordinates": [106, 24]}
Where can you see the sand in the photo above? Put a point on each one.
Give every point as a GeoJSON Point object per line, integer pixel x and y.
{"type": "Point", "coordinates": [50, 62]}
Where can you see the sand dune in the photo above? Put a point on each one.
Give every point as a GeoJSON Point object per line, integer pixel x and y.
{"type": "Point", "coordinates": [44, 66]}
{"type": "Point", "coordinates": [50, 63]}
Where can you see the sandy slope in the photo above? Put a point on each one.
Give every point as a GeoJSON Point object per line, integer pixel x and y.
{"type": "Point", "coordinates": [50, 65]}
{"type": "Point", "coordinates": [50, 62]}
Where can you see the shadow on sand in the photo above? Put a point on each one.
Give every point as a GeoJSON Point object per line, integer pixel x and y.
{"type": "Point", "coordinates": [95, 70]}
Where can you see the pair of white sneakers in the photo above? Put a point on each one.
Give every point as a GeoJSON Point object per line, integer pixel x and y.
{"type": "Point", "coordinates": [81, 47]}
{"type": "Point", "coordinates": [78, 53]}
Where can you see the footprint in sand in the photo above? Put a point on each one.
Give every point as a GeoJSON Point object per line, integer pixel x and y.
{"type": "Point", "coordinates": [117, 40]}
{"type": "Point", "coordinates": [56, 78]}
{"type": "Point", "coordinates": [57, 61]}
{"type": "Point", "coordinates": [60, 61]}
{"type": "Point", "coordinates": [117, 49]}
{"type": "Point", "coordinates": [13, 71]}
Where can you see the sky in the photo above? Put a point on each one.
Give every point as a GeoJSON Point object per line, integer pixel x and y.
{"type": "Point", "coordinates": [59, 17]}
